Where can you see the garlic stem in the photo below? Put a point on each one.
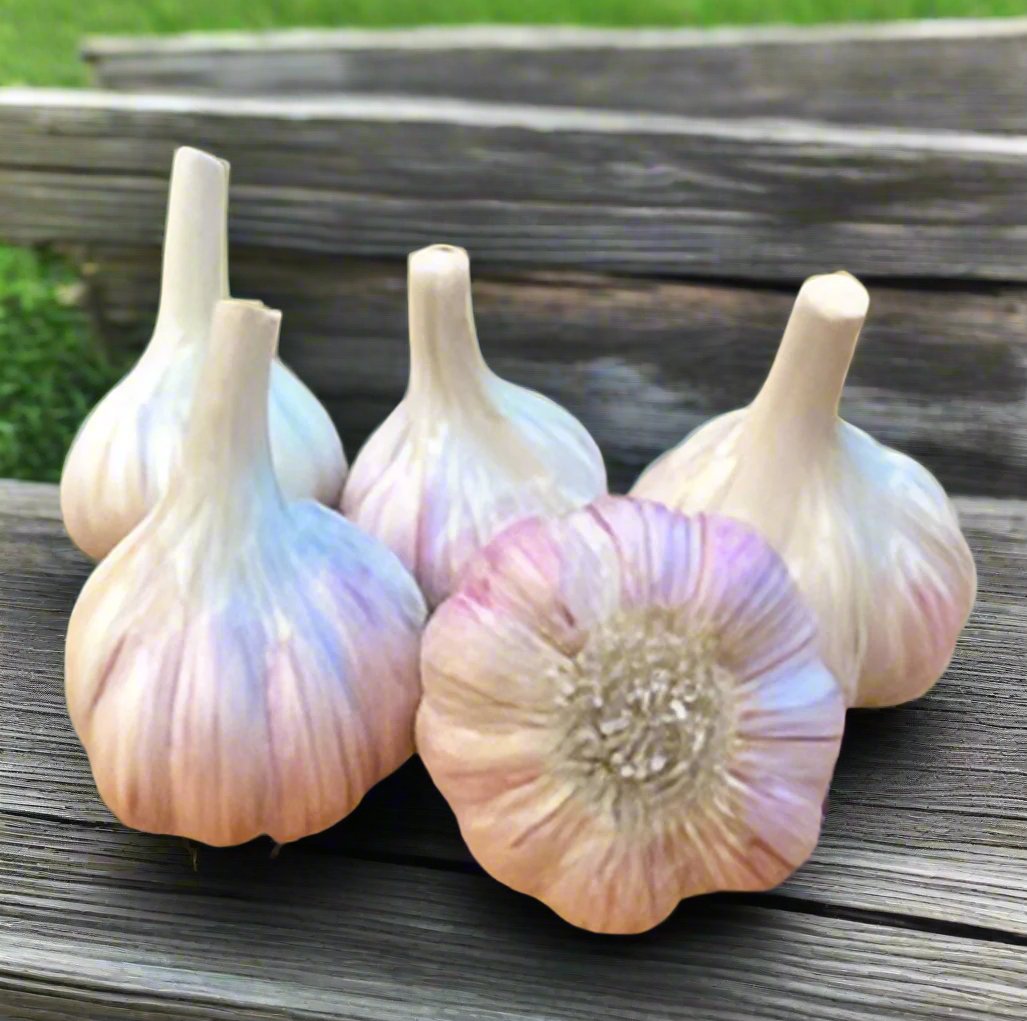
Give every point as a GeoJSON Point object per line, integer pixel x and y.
{"type": "Point", "coordinates": [227, 448]}
{"type": "Point", "coordinates": [195, 269]}
{"type": "Point", "coordinates": [446, 365]}
{"type": "Point", "coordinates": [803, 390]}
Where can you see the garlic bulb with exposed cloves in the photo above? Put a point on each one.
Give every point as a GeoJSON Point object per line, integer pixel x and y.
{"type": "Point", "coordinates": [624, 707]}
{"type": "Point", "coordinates": [465, 453]}
{"type": "Point", "coordinates": [128, 447]}
{"type": "Point", "coordinates": [867, 532]}
{"type": "Point", "coordinates": [242, 665]}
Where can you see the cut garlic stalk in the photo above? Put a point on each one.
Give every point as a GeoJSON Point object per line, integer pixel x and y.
{"type": "Point", "coordinates": [241, 665]}
{"type": "Point", "coordinates": [624, 707]}
{"type": "Point", "coordinates": [465, 453]}
{"type": "Point", "coordinates": [128, 448]}
{"type": "Point", "coordinates": [867, 532]}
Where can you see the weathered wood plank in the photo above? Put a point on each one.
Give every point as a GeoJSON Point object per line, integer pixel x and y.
{"type": "Point", "coordinates": [755, 200]}
{"type": "Point", "coordinates": [941, 375]}
{"type": "Point", "coordinates": [926, 817]}
{"type": "Point", "coordinates": [97, 917]}
{"type": "Point", "coordinates": [969, 75]}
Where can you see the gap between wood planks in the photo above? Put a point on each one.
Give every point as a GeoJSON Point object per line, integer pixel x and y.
{"type": "Point", "coordinates": [497, 272]}
{"type": "Point", "coordinates": [895, 919]}
{"type": "Point", "coordinates": [770, 899]}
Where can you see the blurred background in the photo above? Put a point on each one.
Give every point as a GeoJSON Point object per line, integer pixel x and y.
{"type": "Point", "coordinates": [65, 337]}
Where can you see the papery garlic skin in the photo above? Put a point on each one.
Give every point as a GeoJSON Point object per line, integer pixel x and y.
{"type": "Point", "coordinates": [868, 533]}
{"type": "Point", "coordinates": [128, 448]}
{"type": "Point", "coordinates": [624, 707]}
{"type": "Point", "coordinates": [241, 665]}
{"type": "Point", "coordinates": [465, 453]}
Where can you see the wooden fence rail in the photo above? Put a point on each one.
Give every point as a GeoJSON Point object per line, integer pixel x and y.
{"type": "Point", "coordinates": [535, 187]}
{"type": "Point", "coordinates": [968, 74]}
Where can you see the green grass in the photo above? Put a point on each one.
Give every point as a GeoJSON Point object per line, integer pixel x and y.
{"type": "Point", "coordinates": [52, 370]}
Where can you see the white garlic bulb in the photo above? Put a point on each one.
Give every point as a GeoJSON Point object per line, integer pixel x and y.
{"type": "Point", "coordinates": [128, 447]}
{"type": "Point", "coordinates": [465, 453]}
{"type": "Point", "coordinates": [241, 665]}
{"type": "Point", "coordinates": [624, 707]}
{"type": "Point", "coordinates": [868, 533]}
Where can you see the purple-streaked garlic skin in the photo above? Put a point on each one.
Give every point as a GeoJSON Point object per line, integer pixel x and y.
{"type": "Point", "coordinates": [129, 447]}
{"type": "Point", "coordinates": [869, 534]}
{"type": "Point", "coordinates": [465, 454]}
{"type": "Point", "coordinates": [241, 665]}
{"type": "Point", "coordinates": [625, 707]}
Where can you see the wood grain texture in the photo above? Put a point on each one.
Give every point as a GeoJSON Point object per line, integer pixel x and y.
{"type": "Point", "coordinates": [926, 818]}
{"type": "Point", "coordinates": [941, 375]}
{"type": "Point", "coordinates": [97, 921]}
{"type": "Point", "coordinates": [971, 76]}
{"type": "Point", "coordinates": [639, 193]}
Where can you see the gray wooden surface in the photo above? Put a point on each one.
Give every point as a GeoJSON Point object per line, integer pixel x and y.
{"type": "Point", "coordinates": [913, 907]}
{"type": "Point", "coordinates": [537, 187]}
{"type": "Point", "coordinates": [949, 74]}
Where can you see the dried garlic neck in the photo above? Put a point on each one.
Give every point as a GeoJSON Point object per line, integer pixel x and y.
{"type": "Point", "coordinates": [448, 375]}
{"type": "Point", "coordinates": [797, 407]}
{"type": "Point", "coordinates": [648, 713]}
{"type": "Point", "coordinates": [194, 274]}
{"type": "Point", "coordinates": [226, 471]}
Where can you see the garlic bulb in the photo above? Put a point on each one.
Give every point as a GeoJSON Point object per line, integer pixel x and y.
{"type": "Point", "coordinates": [868, 533]}
{"type": "Point", "coordinates": [241, 665]}
{"type": "Point", "coordinates": [465, 453]}
{"type": "Point", "coordinates": [128, 447]}
{"type": "Point", "coordinates": [624, 707]}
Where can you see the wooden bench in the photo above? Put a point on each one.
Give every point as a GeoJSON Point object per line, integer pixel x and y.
{"type": "Point", "coordinates": [914, 906]}
{"type": "Point", "coordinates": [637, 264]}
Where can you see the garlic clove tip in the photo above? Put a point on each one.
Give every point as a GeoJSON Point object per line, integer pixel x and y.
{"type": "Point", "coordinates": [834, 297]}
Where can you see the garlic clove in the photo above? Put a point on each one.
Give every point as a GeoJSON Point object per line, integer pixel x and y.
{"type": "Point", "coordinates": [128, 447]}
{"type": "Point", "coordinates": [869, 534]}
{"type": "Point", "coordinates": [624, 707]}
{"type": "Point", "coordinates": [465, 453]}
{"type": "Point", "coordinates": [242, 665]}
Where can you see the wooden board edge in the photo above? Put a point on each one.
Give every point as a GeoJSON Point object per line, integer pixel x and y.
{"type": "Point", "coordinates": [547, 37]}
{"type": "Point", "coordinates": [468, 113]}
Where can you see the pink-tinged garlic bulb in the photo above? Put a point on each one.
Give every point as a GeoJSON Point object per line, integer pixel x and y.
{"type": "Point", "coordinates": [624, 707]}
{"type": "Point", "coordinates": [868, 534]}
{"type": "Point", "coordinates": [129, 447]}
{"type": "Point", "coordinates": [241, 665]}
{"type": "Point", "coordinates": [465, 453]}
